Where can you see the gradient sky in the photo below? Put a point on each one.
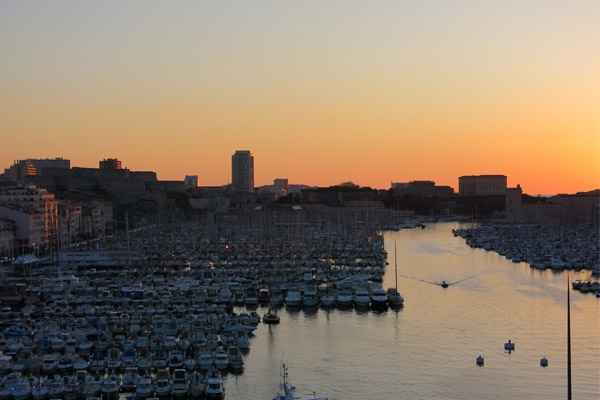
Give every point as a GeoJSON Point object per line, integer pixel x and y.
{"type": "Point", "coordinates": [320, 91]}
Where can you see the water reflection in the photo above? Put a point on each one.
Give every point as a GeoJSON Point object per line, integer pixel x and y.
{"type": "Point", "coordinates": [428, 348]}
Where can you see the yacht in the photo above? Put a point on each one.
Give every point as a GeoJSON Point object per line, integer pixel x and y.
{"type": "Point", "coordinates": [144, 388]}
{"type": "Point", "coordinates": [163, 384]}
{"type": "Point", "coordinates": [310, 298]}
{"type": "Point", "coordinates": [131, 379]}
{"type": "Point", "coordinates": [236, 361]}
{"type": "Point", "coordinates": [215, 389]}
{"type": "Point", "coordinates": [277, 298]}
{"type": "Point", "coordinates": [205, 360]}
{"type": "Point", "coordinates": [110, 387]}
{"type": "Point", "coordinates": [72, 389]}
{"type": "Point", "coordinates": [180, 385]}
{"type": "Point", "coordinates": [293, 298]}
{"type": "Point", "coordinates": [221, 360]}
{"type": "Point", "coordinates": [49, 363]}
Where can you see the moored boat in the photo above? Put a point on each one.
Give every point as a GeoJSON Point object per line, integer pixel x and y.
{"type": "Point", "coordinates": [215, 389]}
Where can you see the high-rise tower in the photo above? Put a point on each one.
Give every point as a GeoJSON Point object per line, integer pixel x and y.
{"type": "Point", "coordinates": [242, 171]}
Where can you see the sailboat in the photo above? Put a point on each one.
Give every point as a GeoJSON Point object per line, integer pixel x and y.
{"type": "Point", "coordinates": [270, 316]}
{"type": "Point", "coordinates": [395, 300]}
{"type": "Point", "coordinates": [288, 391]}
{"type": "Point", "coordinates": [328, 300]}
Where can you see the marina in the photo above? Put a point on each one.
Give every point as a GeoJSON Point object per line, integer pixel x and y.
{"type": "Point", "coordinates": [195, 328]}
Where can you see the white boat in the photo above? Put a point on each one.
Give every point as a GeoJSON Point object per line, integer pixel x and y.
{"type": "Point", "coordinates": [98, 361]}
{"type": "Point", "coordinates": [362, 298]}
{"type": "Point", "coordinates": [293, 298]}
{"type": "Point", "coordinates": [180, 386]}
{"type": "Point", "coordinates": [236, 361]}
{"type": "Point", "coordinates": [9, 382]}
{"type": "Point", "coordinates": [197, 385]}
{"type": "Point", "coordinates": [163, 384]}
{"type": "Point", "coordinates": [92, 387]}
{"type": "Point", "coordinates": [72, 389]}
{"type": "Point", "coordinates": [49, 363]}
{"type": "Point", "coordinates": [113, 361]}
{"type": "Point", "coordinates": [65, 365]}
{"type": "Point", "coordinates": [379, 299]}
{"type": "Point", "coordinates": [310, 298]}
{"type": "Point", "coordinates": [129, 358]}
{"type": "Point", "coordinates": [221, 360]}
{"type": "Point", "coordinates": [110, 387]}
{"type": "Point", "coordinates": [190, 363]}
{"type": "Point", "coordinates": [175, 359]}
{"type": "Point", "coordinates": [205, 360]}
{"type": "Point", "coordinates": [286, 392]}
{"type": "Point", "coordinates": [57, 389]}
{"type": "Point", "coordinates": [215, 389]}
{"type": "Point", "coordinates": [251, 297]}
{"type": "Point", "coordinates": [144, 388]}
{"type": "Point", "coordinates": [277, 298]}
{"type": "Point", "coordinates": [6, 365]}
{"type": "Point", "coordinates": [81, 365]}
{"type": "Point", "coordinates": [131, 379]}
{"type": "Point", "coordinates": [21, 390]}
{"type": "Point", "coordinates": [40, 391]}
{"type": "Point", "coordinates": [242, 340]}
{"type": "Point", "coordinates": [344, 299]}
{"type": "Point", "coordinates": [144, 364]}
{"type": "Point", "coordinates": [395, 300]}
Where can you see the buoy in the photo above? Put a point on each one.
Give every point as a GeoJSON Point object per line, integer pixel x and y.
{"type": "Point", "coordinates": [509, 346]}
{"type": "Point", "coordinates": [544, 362]}
{"type": "Point", "coordinates": [480, 361]}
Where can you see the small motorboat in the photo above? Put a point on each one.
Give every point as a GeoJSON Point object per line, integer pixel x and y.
{"type": "Point", "coordinates": [215, 389]}
{"type": "Point", "coordinates": [197, 385]}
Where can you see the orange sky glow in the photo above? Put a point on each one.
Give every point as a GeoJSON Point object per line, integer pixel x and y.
{"type": "Point", "coordinates": [321, 92]}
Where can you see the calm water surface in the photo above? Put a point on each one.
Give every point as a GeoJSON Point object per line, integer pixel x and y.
{"type": "Point", "coordinates": [428, 349]}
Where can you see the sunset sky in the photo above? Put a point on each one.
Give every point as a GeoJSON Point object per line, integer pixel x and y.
{"type": "Point", "coordinates": [320, 91]}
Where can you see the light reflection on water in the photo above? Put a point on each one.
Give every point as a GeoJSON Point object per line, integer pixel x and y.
{"type": "Point", "coordinates": [428, 349]}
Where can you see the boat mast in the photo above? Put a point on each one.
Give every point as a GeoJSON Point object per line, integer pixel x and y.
{"type": "Point", "coordinates": [395, 265]}
{"type": "Point", "coordinates": [569, 391]}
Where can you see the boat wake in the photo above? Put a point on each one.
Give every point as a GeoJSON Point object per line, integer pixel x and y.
{"type": "Point", "coordinates": [443, 284]}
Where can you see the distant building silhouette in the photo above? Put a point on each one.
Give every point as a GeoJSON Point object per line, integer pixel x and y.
{"type": "Point", "coordinates": [42, 163]}
{"type": "Point", "coordinates": [513, 203]}
{"type": "Point", "coordinates": [110, 164]}
{"type": "Point", "coordinates": [482, 185]}
{"type": "Point", "coordinates": [19, 170]}
{"type": "Point", "coordinates": [242, 171]}
{"type": "Point", "coordinates": [420, 188]}
{"type": "Point", "coordinates": [190, 181]}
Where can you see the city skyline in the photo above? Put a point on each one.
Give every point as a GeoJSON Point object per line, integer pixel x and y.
{"type": "Point", "coordinates": [320, 92]}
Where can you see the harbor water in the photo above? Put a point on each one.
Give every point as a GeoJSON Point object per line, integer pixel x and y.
{"type": "Point", "coordinates": [428, 349]}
